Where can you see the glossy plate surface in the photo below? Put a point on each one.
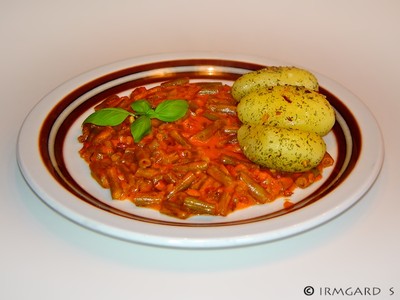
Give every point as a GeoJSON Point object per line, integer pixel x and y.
{"type": "Point", "coordinates": [49, 160]}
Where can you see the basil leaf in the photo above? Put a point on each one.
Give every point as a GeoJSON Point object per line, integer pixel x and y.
{"type": "Point", "coordinates": [140, 128]}
{"type": "Point", "coordinates": [111, 116]}
{"type": "Point", "coordinates": [141, 107]}
{"type": "Point", "coordinates": [167, 111]}
{"type": "Point", "coordinates": [171, 110]}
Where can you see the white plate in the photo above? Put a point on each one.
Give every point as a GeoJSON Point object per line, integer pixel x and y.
{"type": "Point", "coordinates": [48, 159]}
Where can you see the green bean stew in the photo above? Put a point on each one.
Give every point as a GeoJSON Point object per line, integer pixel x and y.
{"type": "Point", "coordinates": [193, 166]}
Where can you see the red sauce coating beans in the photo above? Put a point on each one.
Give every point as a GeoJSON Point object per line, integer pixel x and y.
{"type": "Point", "coordinates": [192, 166]}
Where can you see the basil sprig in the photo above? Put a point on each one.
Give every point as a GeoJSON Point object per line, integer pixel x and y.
{"type": "Point", "coordinates": [167, 111]}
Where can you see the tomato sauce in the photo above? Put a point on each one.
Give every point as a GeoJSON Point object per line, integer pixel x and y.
{"type": "Point", "coordinates": [192, 166]}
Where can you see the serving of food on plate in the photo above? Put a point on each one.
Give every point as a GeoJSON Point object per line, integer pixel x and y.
{"type": "Point", "coordinates": [200, 151]}
{"type": "Point", "coordinates": [207, 148]}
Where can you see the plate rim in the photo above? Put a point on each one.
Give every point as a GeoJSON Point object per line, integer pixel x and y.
{"type": "Point", "coordinates": [102, 222]}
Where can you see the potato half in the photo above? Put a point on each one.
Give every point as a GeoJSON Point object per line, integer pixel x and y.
{"type": "Point", "coordinates": [288, 107]}
{"type": "Point", "coordinates": [289, 150]}
{"type": "Point", "coordinates": [273, 76]}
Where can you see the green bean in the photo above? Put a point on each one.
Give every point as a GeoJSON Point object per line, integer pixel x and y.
{"type": "Point", "coordinates": [114, 183]}
{"type": "Point", "coordinates": [170, 178]}
{"type": "Point", "coordinates": [231, 129]}
{"type": "Point", "coordinates": [191, 166]}
{"type": "Point", "coordinates": [174, 209]}
{"type": "Point", "coordinates": [209, 88]}
{"type": "Point", "coordinates": [167, 158]}
{"type": "Point", "coordinates": [126, 173]}
{"type": "Point", "coordinates": [209, 131]}
{"type": "Point", "coordinates": [99, 173]}
{"type": "Point", "coordinates": [223, 204]}
{"type": "Point", "coordinates": [143, 185]}
{"type": "Point", "coordinates": [256, 190]}
{"type": "Point", "coordinates": [210, 116]}
{"type": "Point", "coordinates": [183, 184]}
{"type": "Point", "coordinates": [208, 91]}
{"type": "Point", "coordinates": [146, 173]}
{"type": "Point", "coordinates": [201, 178]}
{"type": "Point", "coordinates": [223, 108]}
{"type": "Point", "coordinates": [147, 199]}
{"type": "Point", "coordinates": [230, 160]}
{"type": "Point", "coordinates": [219, 176]}
{"type": "Point", "coordinates": [197, 206]}
{"type": "Point", "coordinates": [179, 138]}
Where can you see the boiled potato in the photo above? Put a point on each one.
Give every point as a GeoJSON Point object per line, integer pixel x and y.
{"type": "Point", "coordinates": [272, 76]}
{"type": "Point", "coordinates": [289, 150]}
{"type": "Point", "coordinates": [288, 107]}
